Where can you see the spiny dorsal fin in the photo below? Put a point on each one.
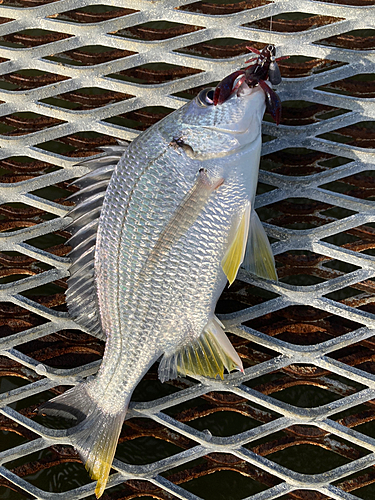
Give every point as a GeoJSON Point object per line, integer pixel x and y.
{"type": "Point", "coordinates": [81, 295]}
{"type": "Point", "coordinates": [236, 251]}
{"type": "Point", "coordinates": [207, 356]}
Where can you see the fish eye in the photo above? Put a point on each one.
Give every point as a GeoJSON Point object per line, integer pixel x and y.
{"type": "Point", "coordinates": [206, 97]}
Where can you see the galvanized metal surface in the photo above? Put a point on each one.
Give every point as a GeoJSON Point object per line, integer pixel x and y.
{"type": "Point", "coordinates": [313, 329]}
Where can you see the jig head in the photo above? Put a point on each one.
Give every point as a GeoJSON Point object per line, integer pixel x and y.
{"type": "Point", "coordinates": [264, 68]}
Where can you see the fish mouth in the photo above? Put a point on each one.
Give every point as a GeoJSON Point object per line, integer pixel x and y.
{"type": "Point", "coordinates": [250, 122]}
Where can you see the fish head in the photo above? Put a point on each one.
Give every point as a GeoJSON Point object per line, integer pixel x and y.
{"type": "Point", "coordinates": [225, 127]}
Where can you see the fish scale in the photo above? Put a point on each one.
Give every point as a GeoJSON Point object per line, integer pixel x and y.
{"type": "Point", "coordinates": [159, 291]}
{"type": "Point", "coordinates": [176, 216]}
{"type": "Point", "coordinates": [144, 314]}
{"type": "Point", "coordinates": [124, 281]}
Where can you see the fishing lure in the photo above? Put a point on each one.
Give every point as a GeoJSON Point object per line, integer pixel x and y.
{"type": "Point", "coordinates": [265, 67]}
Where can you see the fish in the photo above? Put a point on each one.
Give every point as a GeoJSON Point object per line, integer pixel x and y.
{"type": "Point", "coordinates": [160, 226]}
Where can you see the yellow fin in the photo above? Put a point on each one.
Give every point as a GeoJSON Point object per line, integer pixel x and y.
{"type": "Point", "coordinates": [259, 257]}
{"type": "Point", "coordinates": [96, 434]}
{"type": "Point", "coordinates": [97, 443]}
{"type": "Point", "coordinates": [101, 467]}
{"type": "Point", "coordinates": [235, 254]}
{"type": "Point", "coordinates": [209, 355]}
{"type": "Point", "coordinates": [99, 457]}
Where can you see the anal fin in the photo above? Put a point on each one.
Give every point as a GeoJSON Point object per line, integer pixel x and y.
{"type": "Point", "coordinates": [236, 251]}
{"type": "Point", "coordinates": [209, 355]}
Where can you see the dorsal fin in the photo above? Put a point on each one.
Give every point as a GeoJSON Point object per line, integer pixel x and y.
{"type": "Point", "coordinates": [81, 295]}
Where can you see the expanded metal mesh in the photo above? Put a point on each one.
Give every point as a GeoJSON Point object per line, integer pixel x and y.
{"type": "Point", "coordinates": [75, 76]}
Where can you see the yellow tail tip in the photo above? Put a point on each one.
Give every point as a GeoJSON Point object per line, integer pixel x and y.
{"type": "Point", "coordinates": [102, 479]}
{"type": "Point", "coordinates": [100, 472]}
{"type": "Point", "coordinates": [100, 487]}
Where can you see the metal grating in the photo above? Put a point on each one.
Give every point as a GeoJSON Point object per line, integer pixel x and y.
{"type": "Point", "coordinates": [75, 76]}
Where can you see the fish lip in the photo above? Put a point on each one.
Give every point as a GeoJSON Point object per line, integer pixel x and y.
{"type": "Point", "coordinates": [254, 93]}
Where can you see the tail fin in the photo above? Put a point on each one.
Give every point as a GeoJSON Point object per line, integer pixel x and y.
{"type": "Point", "coordinates": [96, 434]}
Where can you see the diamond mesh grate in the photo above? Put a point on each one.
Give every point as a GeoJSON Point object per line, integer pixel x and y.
{"type": "Point", "coordinates": [75, 76]}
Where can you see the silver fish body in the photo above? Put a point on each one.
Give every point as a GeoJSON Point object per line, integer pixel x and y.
{"type": "Point", "coordinates": [180, 198]}
{"type": "Point", "coordinates": [161, 310]}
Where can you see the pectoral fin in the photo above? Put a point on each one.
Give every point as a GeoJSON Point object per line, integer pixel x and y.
{"type": "Point", "coordinates": [236, 251]}
{"type": "Point", "coordinates": [207, 356]}
{"type": "Point", "coordinates": [259, 257]}
{"type": "Point", "coordinates": [184, 216]}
